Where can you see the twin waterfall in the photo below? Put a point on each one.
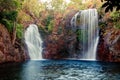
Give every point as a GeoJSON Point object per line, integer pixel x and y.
{"type": "Point", "coordinates": [84, 22]}
{"type": "Point", "coordinates": [34, 42]}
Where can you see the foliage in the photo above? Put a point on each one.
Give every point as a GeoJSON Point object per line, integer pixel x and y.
{"type": "Point", "coordinates": [50, 26]}
{"type": "Point", "coordinates": [9, 10]}
{"type": "Point", "coordinates": [49, 23]}
{"type": "Point", "coordinates": [10, 15]}
{"type": "Point", "coordinates": [7, 18]}
{"type": "Point", "coordinates": [32, 6]}
{"type": "Point", "coordinates": [46, 13]}
{"type": "Point", "coordinates": [48, 20]}
{"type": "Point", "coordinates": [60, 30]}
{"type": "Point", "coordinates": [58, 5]}
{"type": "Point", "coordinates": [50, 15]}
{"type": "Point", "coordinates": [111, 4]}
{"type": "Point", "coordinates": [102, 25]}
{"type": "Point", "coordinates": [78, 32]}
{"type": "Point", "coordinates": [8, 24]}
{"type": "Point", "coordinates": [19, 31]}
{"type": "Point", "coordinates": [22, 16]}
{"type": "Point", "coordinates": [8, 5]}
{"type": "Point", "coordinates": [77, 4]}
{"type": "Point", "coordinates": [81, 34]}
{"type": "Point", "coordinates": [117, 25]}
{"type": "Point", "coordinates": [115, 16]}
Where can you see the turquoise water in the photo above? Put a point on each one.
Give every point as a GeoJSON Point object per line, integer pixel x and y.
{"type": "Point", "coordinates": [60, 70]}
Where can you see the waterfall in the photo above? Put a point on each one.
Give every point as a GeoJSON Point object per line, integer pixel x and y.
{"type": "Point", "coordinates": [34, 42]}
{"type": "Point", "coordinates": [86, 22]}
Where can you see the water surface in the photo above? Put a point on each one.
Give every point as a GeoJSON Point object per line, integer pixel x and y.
{"type": "Point", "coordinates": [60, 70]}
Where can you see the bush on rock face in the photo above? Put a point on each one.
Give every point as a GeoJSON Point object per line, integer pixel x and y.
{"type": "Point", "coordinates": [115, 16]}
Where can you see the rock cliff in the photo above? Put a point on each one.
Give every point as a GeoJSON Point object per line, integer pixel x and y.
{"type": "Point", "coordinates": [109, 45]}
{"type": "Point", "coordinates": [8, 51]}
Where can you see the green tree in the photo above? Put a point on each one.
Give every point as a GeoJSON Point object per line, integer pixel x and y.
{"type": "Point", "coordinates": [115, 16]}
{"type": "Point", "coordinates": [9, 5]}
{"type": "Point", "coordinates": [77, 4]}
{"type": "Point", "coordinates": [32, 7]}
{"type": "Point", "coordinates": [8, 16]}
{"type": "Point", "coordinates": [58, 5]}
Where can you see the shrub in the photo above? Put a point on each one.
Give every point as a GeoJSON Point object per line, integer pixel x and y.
{"type": "Point", "coordinates": [8, 24]}
{"type": "Point", "coordinates": [115, 16]}
{"type": "Point", "coordinates": [19, 31]}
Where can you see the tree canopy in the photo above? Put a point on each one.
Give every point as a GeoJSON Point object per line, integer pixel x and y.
{"type": "Point", "coordinates": [7, 5]}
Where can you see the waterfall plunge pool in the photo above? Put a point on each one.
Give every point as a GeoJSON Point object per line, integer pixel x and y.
{"type": "Point", "coordinates": [60, 70]}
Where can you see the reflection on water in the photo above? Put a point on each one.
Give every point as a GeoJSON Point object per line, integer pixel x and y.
{"type": "Point", "coordinates": [60, 70]}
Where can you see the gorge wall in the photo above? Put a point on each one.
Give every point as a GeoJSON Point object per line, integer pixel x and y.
{"type": "Point", "coordinates": [109, 45]}
{"type": "Point", "coordinates": [10, 52]}
{"type": "Point", "coordinates": [62, 45]}
{"type": "Point", "coordinates": [65, 45]}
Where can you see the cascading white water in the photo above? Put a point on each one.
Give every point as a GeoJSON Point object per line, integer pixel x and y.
{"type": "Point", "coordinates": [86, 21]}
{"type": "Point", "coordinates": [34, 42]}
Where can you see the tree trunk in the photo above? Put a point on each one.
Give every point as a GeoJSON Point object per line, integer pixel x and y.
{"type": "Point", "coordinates": [14, 33]}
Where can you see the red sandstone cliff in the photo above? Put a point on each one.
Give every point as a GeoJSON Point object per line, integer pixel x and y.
{"type": "Point", "coordinates": [109, 46]}
{"type": "Point", "coordinates": [8, 51]}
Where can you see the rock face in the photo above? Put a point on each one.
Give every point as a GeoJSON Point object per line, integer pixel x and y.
{"type": "Point", "coordinates": [9, 52]}
{"type": "Point", "coordinates": [61, 45]}
{"type": "Point", "coordinates": [55, 47]}
{"type": "Point", "coordinates": [70, 35]}
{"type": "Point", "coordinates": [109, 46]}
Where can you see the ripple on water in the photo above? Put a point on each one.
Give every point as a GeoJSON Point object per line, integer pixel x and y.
{"type": "Point", "coordinates": [60, 70]}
